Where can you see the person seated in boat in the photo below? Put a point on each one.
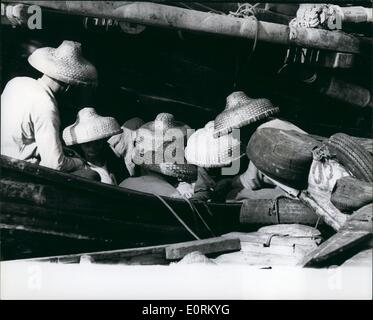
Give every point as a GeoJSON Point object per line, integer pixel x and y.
{"type": "Point", "coordinates": [245, 115]}
{"type": "Point", "coordinates": [253, 179]}
{"type": "Point", "coordinates": [88, 136]}
{"type": "Point", "coordinates": [123, 144]}
{"type": "Point", "coordinates": [159, 152]}
{"type": "Point", "coordinates": [30, 121]}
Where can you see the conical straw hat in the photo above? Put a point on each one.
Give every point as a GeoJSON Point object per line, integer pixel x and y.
{"type": "Point", "coordinates": [65, 64]}
{"type": "Point", "coordinates": [89, 126]}
{"type": "Point", "coordinates": [206, 151]}
{"type": "Point", "coordinates": [163, 129]}
{"type": "Point", "coordinates": [240, 111]}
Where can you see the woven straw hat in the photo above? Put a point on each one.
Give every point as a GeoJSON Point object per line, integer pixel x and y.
{"type": "Point", "coordinates": [65, 64]}
{"type": "Point", "coordinates": [240, 110]}
{"type": "Point", "coordinates": [89, 126]}
{"type": "Point", "coordinates": [159, 161]}
{"type": "Point", "coordinates": [153, 134]}
{"type": "Point", "coordinates": [206, 151]}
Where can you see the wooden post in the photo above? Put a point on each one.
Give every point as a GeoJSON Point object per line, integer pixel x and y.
{"type": "Point", "coordinates": [159, 15]}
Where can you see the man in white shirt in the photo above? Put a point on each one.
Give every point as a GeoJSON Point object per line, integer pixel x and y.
{"type": "Point", "coordinates": [30, 122]}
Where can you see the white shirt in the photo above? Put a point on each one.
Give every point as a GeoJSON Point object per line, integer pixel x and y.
{"type": "Point", "coordinates": [30, 124]}
{"type": "Point", "coordinates": [105, 176]}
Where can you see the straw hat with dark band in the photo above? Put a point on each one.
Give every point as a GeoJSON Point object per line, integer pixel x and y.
{"type": "Point", "coordinates": [206, 151]}
{"type": "Point", "coordinates": [240, 111]}
{"type": "Point", "coordinates": [65, 64]}
{"type": "Point", "coordinates": [153, 134]}
{"type": "Point", "coordinates": [89, 126]}
{"type": "Point", "coordinates": [159, 161]}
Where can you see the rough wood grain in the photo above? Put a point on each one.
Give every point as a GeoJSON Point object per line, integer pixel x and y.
{"type": "Point", "coordinates": [207, 246]}
{"type": "Point", "coordinates": [160, 15]}
{"type": "Point", "coordinates": [289, 211]}
{"type": "Point", "coordinates": [356, 234]}
{"type": "Point", "coordinates": [338, 244]}
{"type": "Point", "coordinates": [110, 256]}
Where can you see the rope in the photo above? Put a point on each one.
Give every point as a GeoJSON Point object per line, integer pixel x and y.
{"type": "Point", "coordinates": [317, 222]}
{"type": "Point", "coordinates": [195, 210]}
{"type": "Point", "coordinates": [176, 216]}
{"type": "Point", "coordinates": [207, 209]}
{"type": "Point", "coordinates": [245, 11]}
{"type": "Point", "coordinates": [275, 207]}
{"type": "Point", "coordinates": [316, 16]}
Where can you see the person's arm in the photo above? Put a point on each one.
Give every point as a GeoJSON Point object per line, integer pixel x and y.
{"type": "Point", "coordinates": [46, 131]}
{"type": "Point", "coordinates": [253, 179]}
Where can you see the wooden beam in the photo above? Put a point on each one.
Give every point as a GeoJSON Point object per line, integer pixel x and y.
{"type": "Point", "coordinates": [159, 15]}
{"type": "Point", "coordinates": [109, 256]}
{"type": "Point", "coordinates": [207, 246]}
{"type": "Point", "coordinates": [333, 217]}
{"type": "Point", "coordinates": [260, 211]}
{"type": "Point", "coordinates": [338, 244]}
{"type": "Point", "coordinates": [355, 235]}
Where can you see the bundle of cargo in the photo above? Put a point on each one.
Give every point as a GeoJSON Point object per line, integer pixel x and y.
{"type": "Point", "coordinates": [324, 181]}
{"type": "Point", "coordinates": [325, 177]}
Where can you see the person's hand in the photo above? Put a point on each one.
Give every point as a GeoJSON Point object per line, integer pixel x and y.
{"type": "Point", "coordinates": [186, 189]}
{"type": "Point", "coordinates": [120, 142]}
{"type": "Point", "coordinates": [253, 178]}
{"type": "Point", "coordinates": [221, 189]}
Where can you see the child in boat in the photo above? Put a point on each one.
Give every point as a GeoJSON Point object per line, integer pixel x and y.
{"type": "Point", "coordinates": [159, 152]}
{"type": "Point", "coordinates": [89, 136]}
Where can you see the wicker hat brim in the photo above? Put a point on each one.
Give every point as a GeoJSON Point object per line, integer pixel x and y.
{"type": "Point", "coordinates": [211, 164]}
{"type": "Point", "coordinates": [80, 72]}
{"type": "Point", "coordinates": [186, 172]}
{"type": "Point", "coordinates": [243, 116]}
{"type": "Point", "coordinates": [76, 140]}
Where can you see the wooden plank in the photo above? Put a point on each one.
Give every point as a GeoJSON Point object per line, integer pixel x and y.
{"type": "Point", "coordinates": [207, 246]}
{"type": "Point", "coordinates": [338, 244]}
{"type": "Point", "coordinates": [261, 211]}
{"type": "Point", "coordinates": [332, 217]}
{"type": "Point", "coordinates": [336, 60]}
{"type": "Point", "coordinates": [18, 215]}
{"type": "Point", "coordinates": [354, 235]}
{"type": "Point", "coordinates": [159, 15]}
{"type": "Point", "coordinates": [110, 256]}
{"type": "Point", "coordinates": [265, 239]}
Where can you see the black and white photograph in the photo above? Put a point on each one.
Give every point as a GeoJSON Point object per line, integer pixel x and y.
{"type": "Point", "coordinates": [196, 151]}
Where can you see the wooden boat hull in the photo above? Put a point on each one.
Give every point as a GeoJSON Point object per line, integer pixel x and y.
{"type": "Point", "coordinates": [46, 212]}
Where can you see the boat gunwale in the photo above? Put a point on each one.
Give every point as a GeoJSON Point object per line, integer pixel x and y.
{"type": "Point", "coordinates": [70, 180]}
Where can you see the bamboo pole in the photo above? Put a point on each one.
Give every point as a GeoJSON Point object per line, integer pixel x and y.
{"type": "Point", "coordinates": [159, 15]}
{"type": "Point", "coordinates": [357, 14]}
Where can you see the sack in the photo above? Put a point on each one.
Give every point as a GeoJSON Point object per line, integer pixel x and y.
{"type": "Point", "coordinates": [322, 178]}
